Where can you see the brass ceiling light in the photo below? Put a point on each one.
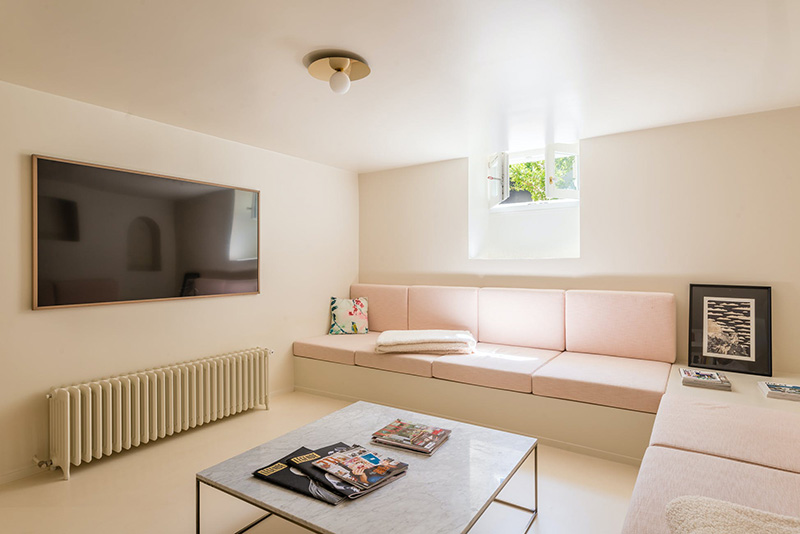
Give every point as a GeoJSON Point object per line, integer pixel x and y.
{"type": "Point", "coordinates": [336, 67]}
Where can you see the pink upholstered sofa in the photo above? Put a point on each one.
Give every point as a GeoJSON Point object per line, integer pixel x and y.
{"type": "Point", "coordinates": [741, 454]}
{"type": "Point", "coordinates": [611, 348]}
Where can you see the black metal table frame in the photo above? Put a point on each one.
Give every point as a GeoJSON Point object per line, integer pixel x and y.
{"type": "Point", "coordinates": [534, 512]}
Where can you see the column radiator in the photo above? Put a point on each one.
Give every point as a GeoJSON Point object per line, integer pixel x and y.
{"type": "Point", "coordinates": [101, 417]}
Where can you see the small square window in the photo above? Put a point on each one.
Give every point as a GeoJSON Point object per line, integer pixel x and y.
{"type": "Point", "coordinates": [534, 176]}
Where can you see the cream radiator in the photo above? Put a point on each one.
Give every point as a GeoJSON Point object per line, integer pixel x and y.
{"type": "Point", "coordinates": [101, 417]}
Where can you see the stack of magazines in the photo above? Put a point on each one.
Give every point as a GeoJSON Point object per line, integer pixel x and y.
{"type": "Point", "coordinates": [334, 473]}
{"type": "Point", "coordinates": [705, 379]}
{"type": "Point", "coordinates": [774, 390]}
{"type": "Point", "coordinates": [411, 436]}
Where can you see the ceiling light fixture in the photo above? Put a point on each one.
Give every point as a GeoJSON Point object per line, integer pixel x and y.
{"type": "Point", "coordinates": [336, 67]}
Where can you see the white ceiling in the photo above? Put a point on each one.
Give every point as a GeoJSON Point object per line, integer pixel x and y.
{"type": "Point", "coordinates": [447, 75]}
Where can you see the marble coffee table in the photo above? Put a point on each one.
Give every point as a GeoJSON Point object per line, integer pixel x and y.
{"type": "Point", "coordinates": [443, 493]}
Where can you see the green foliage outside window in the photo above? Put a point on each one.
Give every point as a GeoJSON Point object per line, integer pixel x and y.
{"type": "Point", "coordinates": [530, 176]}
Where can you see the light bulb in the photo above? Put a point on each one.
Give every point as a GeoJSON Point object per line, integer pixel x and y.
{"type": "Point", "coordinates": [340, 82]}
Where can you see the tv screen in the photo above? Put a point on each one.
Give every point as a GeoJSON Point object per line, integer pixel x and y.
{"type": "Point", "coordinates": [105, 235]}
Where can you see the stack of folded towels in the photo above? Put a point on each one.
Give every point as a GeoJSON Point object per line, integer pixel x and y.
{"type": "Point", "coordinates": [426, 341]}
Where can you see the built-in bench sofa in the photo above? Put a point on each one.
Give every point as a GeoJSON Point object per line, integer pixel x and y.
{"type": "Point", "coordinates": [735, 453]}
{"type": "Point", "coordinates": [587, 369]}
{"type": "Point", "coordinates": [596, 362]}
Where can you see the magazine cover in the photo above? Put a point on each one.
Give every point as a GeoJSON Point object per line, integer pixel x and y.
{"type": "Point", "coordinates": [287, 476]}
{"type": "Point", "coordinates": [784, 389]}
{"type": "Point", "coordinates": [361, 467]}
{"type": "Point", "coordinates": [303, 462]}
{"type": "Point", "coordinates": [709, 376]}
{"type": "Point", "coordinates": [422, 437]}
{"type": "Point", "coordinates": [775, 390]}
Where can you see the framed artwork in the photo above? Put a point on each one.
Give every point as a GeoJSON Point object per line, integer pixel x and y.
{"type": "Point", "coordinates": [730, 328]}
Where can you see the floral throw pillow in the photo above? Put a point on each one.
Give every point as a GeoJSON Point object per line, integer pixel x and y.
{"type": "Point", "coordinates": [349, 316]}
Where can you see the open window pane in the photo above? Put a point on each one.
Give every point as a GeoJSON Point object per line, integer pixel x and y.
{"type": "Point", "coordinates": [566, 175]}
{"type": "Point", "coordinates": [526, 181]}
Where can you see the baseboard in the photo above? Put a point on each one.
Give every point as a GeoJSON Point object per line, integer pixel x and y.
{"type": "Point", "coordinates": [600, 431]}
{"type": "Point", "coordinates": [22, 472]}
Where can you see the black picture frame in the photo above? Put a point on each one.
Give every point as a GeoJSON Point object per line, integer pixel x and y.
{"type": "Point", "coordinates": [730, 328]}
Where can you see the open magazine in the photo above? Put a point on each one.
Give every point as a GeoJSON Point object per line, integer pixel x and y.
{"type": "Point", "coordinates": [362, 468]}
{"type": "Point", "coordinates": [304, 462]}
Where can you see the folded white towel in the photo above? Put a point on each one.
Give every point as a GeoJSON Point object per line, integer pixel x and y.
{"type": "Point", "coordinates": [413, 337]}
{"type": "Point", "coordinates": [427, 348]}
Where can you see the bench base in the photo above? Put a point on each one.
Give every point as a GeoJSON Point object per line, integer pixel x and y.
{"type": "Point", "coordinates": [602, 431]}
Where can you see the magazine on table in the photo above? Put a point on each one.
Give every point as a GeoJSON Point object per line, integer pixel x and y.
{"type": "Point", "coordinates": [361, 467]}
{"type": "Point", "coordinates": [304, 462]}
{"type": "Point", "coordinates": [775, 390]}
{"type": "Point", "coordinates": [283, 474]}
{"type": "Point", "coordinates": [705, 379]}
{"type": "Point", "coordinates": [412, 436]}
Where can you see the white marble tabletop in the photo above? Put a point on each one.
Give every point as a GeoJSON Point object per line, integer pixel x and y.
{"type": "Point", "coordinates": [441, 493]}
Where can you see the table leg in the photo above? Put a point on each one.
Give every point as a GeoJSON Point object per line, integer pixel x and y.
{"type": "Point", "coordinates": [197, 506]}
{"type": "Point", "coordinates": [535, 510]}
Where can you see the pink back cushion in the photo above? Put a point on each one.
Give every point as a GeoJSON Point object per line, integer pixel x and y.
{"type": "Point", "coordinates": [522, 317]}
{"type": "Point", "coordinates": [630, 324]}
{"type": "Point", "coordinates": [443, 307]}
{"type": "Point", "coordinates": [387, 305]}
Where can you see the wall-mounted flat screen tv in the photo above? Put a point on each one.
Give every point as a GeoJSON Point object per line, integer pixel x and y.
{"type": "Point", "coordinates": [106, 235]}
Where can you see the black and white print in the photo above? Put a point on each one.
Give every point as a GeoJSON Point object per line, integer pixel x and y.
{"type": "Point", "coordinates": [729, 328]}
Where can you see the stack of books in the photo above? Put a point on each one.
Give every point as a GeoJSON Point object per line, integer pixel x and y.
{"type": "Point", "coordinates": [334, 473]}
{"type": "Point", "coordinates": [415, 437]}
{"type": "Point", "coordinates": [705, 379]}
{"type": "Point", "coordinates": [774, 390]}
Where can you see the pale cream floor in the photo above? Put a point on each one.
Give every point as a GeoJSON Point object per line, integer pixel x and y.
{"type": "Point", "coordinates": [151, 489]}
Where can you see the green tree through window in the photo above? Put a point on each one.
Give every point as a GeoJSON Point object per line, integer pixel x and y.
{"type": "Point", "coordinates": [530, 176]}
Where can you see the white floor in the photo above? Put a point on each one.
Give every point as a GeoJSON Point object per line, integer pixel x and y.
{"type": "Point", "coordinates": [151, 489]}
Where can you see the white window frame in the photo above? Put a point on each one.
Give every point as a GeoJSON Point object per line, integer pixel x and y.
{"type": "Point", "coordinates": [500, 182]}
{"type": "Point", "coordinates": [561, 149]}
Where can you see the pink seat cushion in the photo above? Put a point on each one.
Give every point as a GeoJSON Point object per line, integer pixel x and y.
{"type": "Point", "coordinates": [338, 349]}
{"type": "Point", "coordinates": [746, 433]}
{"type": "Point", "coordinates": [410, 364]}
{"type": "Point", "coordinates": [523, 317]}
{"type": "Point", "coordinates": [494, 366]}
{"type": "Point", "coordinates": [388, 305]}
{"type": "Point", "coordinates": [630, 324]}
{"type": "Point", "coordinates": [669, 473]}
{"type": "Point", "coordinates": [605, 380]}
{"type": "Point", "coordinates": [443, 308]}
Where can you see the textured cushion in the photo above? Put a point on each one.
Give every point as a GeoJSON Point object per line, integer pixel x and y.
{"type": "Point", "coordinates": [605, 380]}
{"type": "Point", "coordinates": [338, 349]}
{"type": "Point", "coordinates": [746, 433]}
{"type": "Point", "coordinates": [388, 305]}
{"type": "Point", "coordinates": [349, 316]}
{"type": "Point", "coordinates": [621, 323]}
{"type": "Point", "coordinates": [691, 514]}
{"type": "Point", "coordinates": [443, 308]}
{"type": "Point", "coordinates": [494, 366]}
{"type": "Point", "coordinates": [410, 364]}
{"type": "Point", "coordinates": [523, 317]}
{"type": "Point", "coordinates": [669, 473]}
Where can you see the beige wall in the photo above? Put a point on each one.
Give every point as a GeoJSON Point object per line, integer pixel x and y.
{"type": "Point", "coordinates": [705, 202]}
{"type": "Point", "coordinates": [302, 263]}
